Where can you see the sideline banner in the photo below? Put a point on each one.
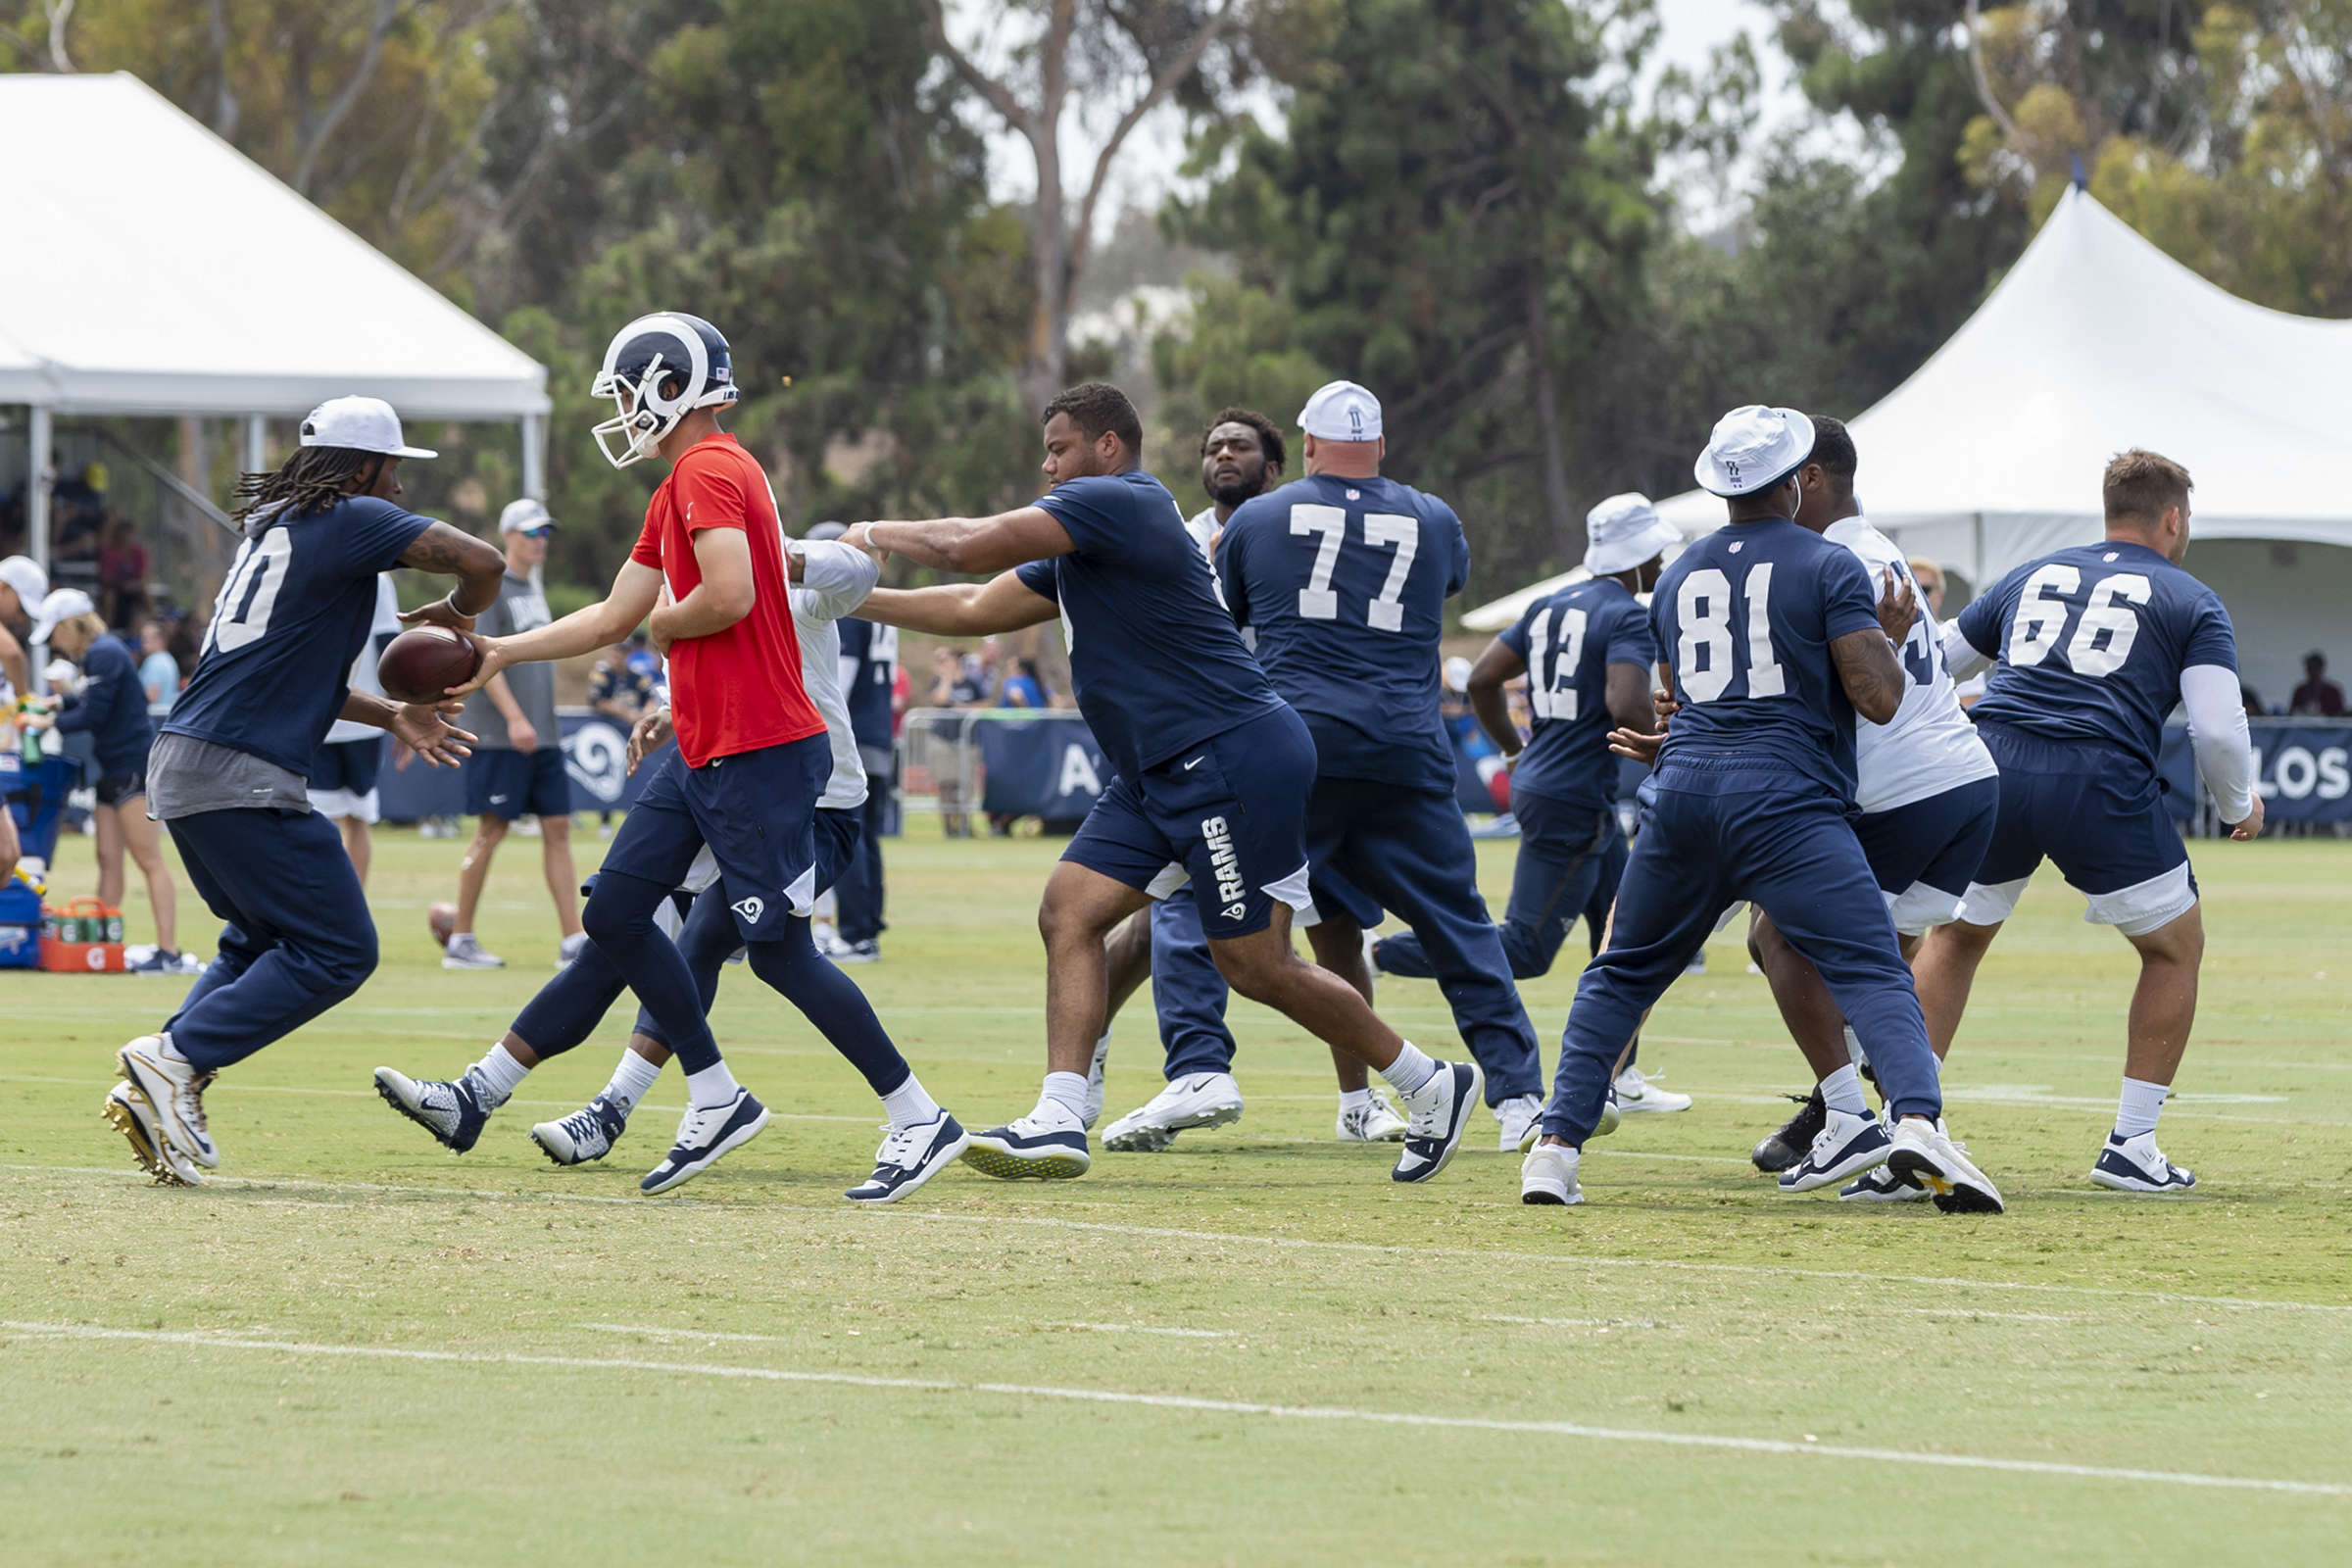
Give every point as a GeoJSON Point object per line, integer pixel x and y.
{"type": "Point", "coordinates": [1045, 764]}
{"type": "Point", "coordinates": [596, 754]}
{"type": "Point", "coordinates": [2303, 768]}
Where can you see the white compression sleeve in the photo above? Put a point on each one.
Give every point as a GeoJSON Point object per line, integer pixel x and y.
{"type": "Point", "coordinates": [839, 575]}
{"type": "Point", "coordinates": [2216, 733]}
{"type": "Point", "coordinates": [1960, 655]}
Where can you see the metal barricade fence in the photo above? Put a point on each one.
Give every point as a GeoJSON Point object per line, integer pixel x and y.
{"type": "Point", "coordinates": [939, 764]}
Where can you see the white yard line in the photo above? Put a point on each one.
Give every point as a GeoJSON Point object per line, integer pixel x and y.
{"type": "Point", "coordinates": [1775, 1446]}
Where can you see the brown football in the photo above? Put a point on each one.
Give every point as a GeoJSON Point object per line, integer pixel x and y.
{"type": "Point", "coordinates": [424, 661]}
{"type": "Point", "coordinates": [442, 920]}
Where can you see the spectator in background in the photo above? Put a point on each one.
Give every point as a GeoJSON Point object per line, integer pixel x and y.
{"type": "Point", "coordinates": [2317, 697]}
{"type": "Point", "coordinates": [1930, 582]}
{"type": "Point", "coordinates": [24, 585]}
{"type": "Point", "coordinates": [956, 680]}
{"type": "Point", "coordinates": [108, 704]}
{"type": "Point", "coordinates": [641, 656]}
{"type": "Point", "coordinates": [1024, 688]}
{"type": "Point", "coordinates": [620, 691]}
{"type": "Point", "coordinates": [121, 574]}
{"type": "Point", "coordinates": [159, 671]}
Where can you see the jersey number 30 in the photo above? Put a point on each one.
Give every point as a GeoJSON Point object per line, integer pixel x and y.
{"type": "Point", "coordinates": [1704, 653]}
{"type": "Point", "coordinates": [251, 592]}
{"type": "Point", "coordinates": [1318, 600]}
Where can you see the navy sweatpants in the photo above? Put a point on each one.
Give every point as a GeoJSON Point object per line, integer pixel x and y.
{"type": "Point", "coordinates": [1571, 855]}
{"type": "Point", "coordinates": [1410, 851]}
{"type": "Point", "coordinates": [859, 888]}
{"type": "Point", "coordinates": [298, 938]}
{"type": "Point", "coordinates": [1713, 836]}
{"type": "Point", "coordinates": [1188, 994]}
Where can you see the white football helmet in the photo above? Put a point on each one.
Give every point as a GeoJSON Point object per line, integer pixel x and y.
{"type": "Point", "coordinates": [657, 369]}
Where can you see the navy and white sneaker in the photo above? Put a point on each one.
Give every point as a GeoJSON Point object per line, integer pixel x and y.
{"type": "Point", "coordinates": [2135, 1165]}
{"type": "Point", "coordinates": [1924, 1153]}
{"type": "Point", "coordinates": [1880, 1185]}
{"type": "Point", "coordinates": [1047, 1144]}
{"type": "Point", "coordinates": [587, 1134]}
{"type": "Point", "coordinates": [453, 1113]}
{"type": "Point", "coordinates": [1437, 1116]}
{"type": "Point", "coordinates": [1199, 1100]}
{"type": "Point", "coordinates": [908, 1158]}
{"type": "Point", "coordinates": [1848, 1145]}
{"type": "Point", "coordinates": [705, 1133]}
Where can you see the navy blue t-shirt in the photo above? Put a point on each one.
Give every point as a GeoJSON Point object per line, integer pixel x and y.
{"type": "Point", "coordinates": [2092, 641]}
{"type": "Point", "coordinates": [1154, 656]}
{"type": "Point", "coordinates": [1745, 617]}
{"type": "Point", "coordinates": [870, 673]}
{"type": "Point", "coordinates": [293, 614]}
{"type": "Point", "coordinates": [1569, 639]}
{"type": "Point", "coordinates": [1345, 583]}
{"type": "Point", "coordinates": [112, 707]}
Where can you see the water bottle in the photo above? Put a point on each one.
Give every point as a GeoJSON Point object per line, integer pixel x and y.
{"type": "Point", "coordinates": [33, 750]}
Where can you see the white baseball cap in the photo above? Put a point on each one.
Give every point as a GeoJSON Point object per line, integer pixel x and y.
{"type": "Point", "coordinates": [521, 517]}
{"type": "Point", "coordinates": [1341, 411]}
{"type": "Point", "coordinates": [1457, 673]}
{"type": "Point", "coordinates": [60, 606]}
{"type": "Point", "coordinates": [26, 577]}
{"type": "Point", "coordinates": [359, 425]}
{"type": "Point", "coordinates": [1623, 532]}
{"type": "Point", "coordinates": [1752, 449]}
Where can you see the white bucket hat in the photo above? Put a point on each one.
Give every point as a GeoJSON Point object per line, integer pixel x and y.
{"type": "Point", "coordinates": [1623, 532]}
{"type": "Point", "coordinates": [1753, 449]}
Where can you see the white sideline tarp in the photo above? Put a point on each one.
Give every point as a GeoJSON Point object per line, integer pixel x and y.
{"type": "Point", "coordinates": [155, 269]}
{"type": "Point", "coordinates": [1990, 454]}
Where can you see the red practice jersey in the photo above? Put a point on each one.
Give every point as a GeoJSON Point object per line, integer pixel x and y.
{"type": "Point", "coordinates": [737, 689]}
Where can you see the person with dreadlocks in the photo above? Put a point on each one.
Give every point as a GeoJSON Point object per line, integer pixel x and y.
{"type": "Point", "coordinates": [226, 775]}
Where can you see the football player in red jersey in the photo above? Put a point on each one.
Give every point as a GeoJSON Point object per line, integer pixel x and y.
{"type": "Point", "coordinates": [750, 763]}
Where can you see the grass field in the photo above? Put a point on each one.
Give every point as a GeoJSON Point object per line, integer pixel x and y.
{"type": "Point", "coordinates": [1253, 1348]}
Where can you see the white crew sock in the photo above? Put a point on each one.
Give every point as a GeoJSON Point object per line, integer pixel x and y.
{"type": "Point", "coordinates": [1411, 1071]}
{"type": "Point", "coordinates": [632, 1080]}
{"type": "Point", "coordinates": [173, 1052]}
{"type": "Point", "coordinates": [502, 1073]}
{"type": "Point", "coordinates": [1354, 1100]}
{"type": "Point", "coordinates": [711, 1088]}
{"type": "Point", "coordinates": [1854, 1045]}
{"type": "Point", "coordinates": [911, 1105]}
{"type": "Point", "coordinates": [1066, 1090]}
{"type": "Point", "coordinates": [2135, 1111]}
{"type": "Point", "coordinates": [1843, 1090]}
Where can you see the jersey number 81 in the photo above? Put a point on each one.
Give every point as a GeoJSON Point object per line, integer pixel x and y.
{"type": "Point", "coordinates": [1703, 655]}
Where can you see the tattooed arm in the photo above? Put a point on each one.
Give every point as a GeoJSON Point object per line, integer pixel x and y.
{"type": "Point", "coordinates": [1869, 671]}
{"type": "Point", "coordinates": [454, 552]}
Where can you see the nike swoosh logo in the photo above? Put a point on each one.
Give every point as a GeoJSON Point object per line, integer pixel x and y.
{"type": "Point", "coordinates": [1195, 763]}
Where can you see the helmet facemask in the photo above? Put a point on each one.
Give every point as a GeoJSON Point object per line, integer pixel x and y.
{"type": "Point", "coordinates": [645, 354]}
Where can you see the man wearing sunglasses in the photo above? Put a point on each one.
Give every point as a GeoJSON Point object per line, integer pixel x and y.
{"type": "Point", "coordinates": [517, 768]}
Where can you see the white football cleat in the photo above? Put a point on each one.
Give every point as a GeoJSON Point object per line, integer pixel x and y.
{"type": "Point", "coordinates": [2135, 1165]}
{"type": "Point", "coordinates": [1638, 1093]}
{"type": "Point", "coordinates": [1441, 1114]}
{"type": "Point", "coordinates": [1548, 1175]}
{"type": "Point", "coordinates": [1522, 1119]}
{"type": "Point", "coordinates": [569, 948]}
{"type": "Point", "coordinates": [127, 1111]}
{"type": "Point", "coordinates": [1375, 1121]}
{"type": "Point", "coordinates": [587, 1134]}
{"type": "Point", "coordinates": [1924, 1153]}
{"type": "Point", "coordinates": [1094, 1080]}
{"type": "Point", "coordinates": [173, 1089]}
{"type": "Point", "coordinates": [1198, 1100]}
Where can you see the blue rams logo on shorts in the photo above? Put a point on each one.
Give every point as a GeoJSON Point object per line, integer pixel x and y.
{"type": "Point", "coordinates": [750, 909]}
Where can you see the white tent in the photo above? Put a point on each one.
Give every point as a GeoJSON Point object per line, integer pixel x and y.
{"type": "Point", "coordinates": [1989, 454]}
{"type": "Point", "coordinates": [157, 270]}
